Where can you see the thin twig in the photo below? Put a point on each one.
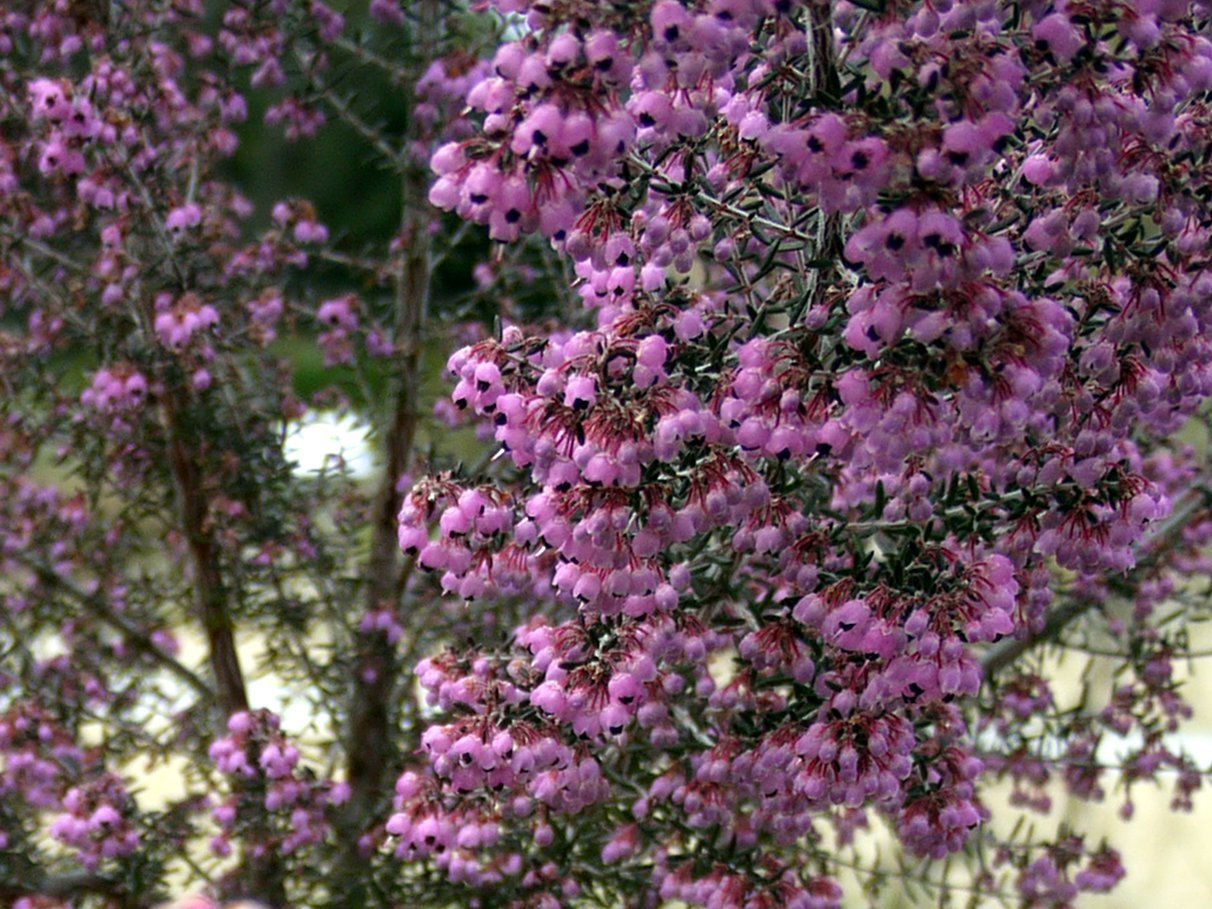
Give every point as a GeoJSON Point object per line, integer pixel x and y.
{"type": "Point", "coordinates": [354, 120]}
{"type": "Point", "coordinates": [68, 886]}
{"type": "Point", "coordinates": [132, 635]}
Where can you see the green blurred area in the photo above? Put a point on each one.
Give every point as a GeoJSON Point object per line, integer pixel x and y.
{"type": "Point", "coordinates": [337, 170]}
{"type": "Point", "coordinates": [358, 197]}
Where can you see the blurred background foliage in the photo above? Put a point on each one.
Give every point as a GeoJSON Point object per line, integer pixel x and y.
{"type": "Point", "coordinates": [355, 192]}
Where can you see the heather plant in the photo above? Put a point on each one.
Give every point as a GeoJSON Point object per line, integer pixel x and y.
{"type": "Point", "coordinates": [818, 372]}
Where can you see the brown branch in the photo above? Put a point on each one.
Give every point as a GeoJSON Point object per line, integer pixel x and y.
{"type": "Point", "coordinates": [210, 593]}
{"type": "Point", "coordinates": [261, 875]}
{"type": "Point", "coordinates": [1007, 651]}
{"type": "Point", "coordinates": [825, 85]}
{"type": "Point", "coordinates": [823, 76]}
{"type": "Point", "coordinates": [370, 746]}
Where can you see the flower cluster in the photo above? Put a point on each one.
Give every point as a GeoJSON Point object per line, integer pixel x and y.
{"type": "Point", "coordinates": [264, 768]}
{"type": "Point", "coordinates": [115, 389]}
{"type": "Point", "coordinates": [178, 321]}
{"type": "Point", "coordinates": [816, 361]}
{"type": "Point", "coordinates": [95, 822]}
{"type": "Point", "coordinates": [863, 372]}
